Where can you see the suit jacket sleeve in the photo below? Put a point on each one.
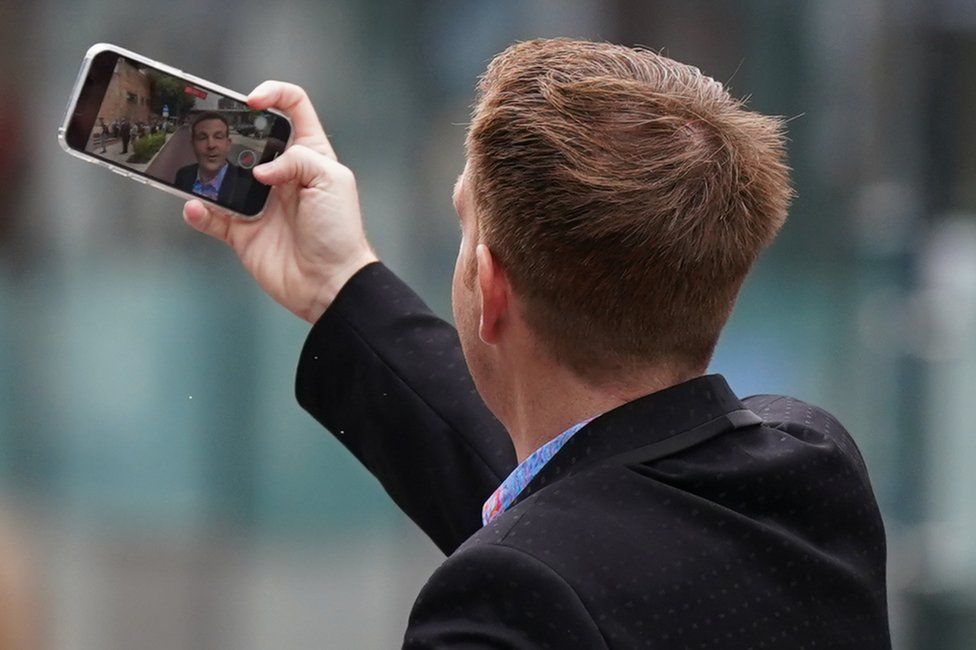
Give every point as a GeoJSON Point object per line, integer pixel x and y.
{"type": "Point", "coordinates": [388, 379]}
{"type": "Point", "coordinates": [493, 596]}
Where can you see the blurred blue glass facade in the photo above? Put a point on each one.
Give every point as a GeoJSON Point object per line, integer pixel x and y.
{"type": "Point", "coordinates": [149, 437]}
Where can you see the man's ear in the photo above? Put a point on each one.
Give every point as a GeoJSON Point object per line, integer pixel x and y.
{"type": "Point", "coordinates": [494, 295]}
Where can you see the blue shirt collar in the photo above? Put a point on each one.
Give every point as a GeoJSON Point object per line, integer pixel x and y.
{"type": "Point", "coordinates": [217, 180]}
{"type": "Point", "coordinates": [511, 487]}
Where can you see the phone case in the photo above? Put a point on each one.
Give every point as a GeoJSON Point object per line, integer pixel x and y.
{"type": "Point", "coordinates": [73, 101]}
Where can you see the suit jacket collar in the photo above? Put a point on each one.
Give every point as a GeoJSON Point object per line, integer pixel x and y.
{"type": "Point", "coordinates": [647, 420]}
{"type": "Point", "coordinates": [228, 184]}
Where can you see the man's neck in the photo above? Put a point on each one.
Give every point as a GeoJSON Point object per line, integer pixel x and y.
{"type": "Point", "coordinates": [207, 177]}
{"type": "Point", "coordinates": [546, 401]}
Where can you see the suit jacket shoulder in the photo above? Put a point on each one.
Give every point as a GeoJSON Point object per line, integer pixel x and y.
{"type": "Point", "coordinates": [495, 596]}
{"type": "Point", "coordinates": [766, 533]}
{"type": "Point", "coordinates": [186, 176]}
{"type": "Point", "coordinates": [801, 418]}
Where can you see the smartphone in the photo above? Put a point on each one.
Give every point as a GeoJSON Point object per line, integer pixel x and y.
{"type": "Point", "coordinates": [162, 127]}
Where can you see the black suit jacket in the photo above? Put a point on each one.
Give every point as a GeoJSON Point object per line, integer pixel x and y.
{"type": "Point", "coordinates": [637, 534]}
{"type": "Point", "coordinates": [233, 189]}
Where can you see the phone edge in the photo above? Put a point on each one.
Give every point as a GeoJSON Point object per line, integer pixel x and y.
{"type": "Point", "coordinates": [145, 180]}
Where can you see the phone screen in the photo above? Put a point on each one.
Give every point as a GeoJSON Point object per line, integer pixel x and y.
{"type": "Point", "coordinates": [179, 133]}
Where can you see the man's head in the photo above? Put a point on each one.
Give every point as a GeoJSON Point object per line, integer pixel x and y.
{"type": "Point", "coordinates": [621, 196]}
{"type": "Point", "coordinates": [211, 141]}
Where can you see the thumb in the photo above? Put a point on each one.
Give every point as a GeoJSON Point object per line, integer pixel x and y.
{"type": "Point", "coordinates": [298, 164]}
{"type": "Point", "coordinates": [207, 221]}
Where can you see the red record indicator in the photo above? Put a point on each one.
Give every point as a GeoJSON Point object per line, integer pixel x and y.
{"type": "Point", "coordinates": [246, 159]}
{"type": "Point", "coordinates": [196, 92]}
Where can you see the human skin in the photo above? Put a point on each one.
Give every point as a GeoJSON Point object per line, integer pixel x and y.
{"type": "Point", "coordinates": [310, 239]}
{"type": "Point", "coordinates": [211, 144]}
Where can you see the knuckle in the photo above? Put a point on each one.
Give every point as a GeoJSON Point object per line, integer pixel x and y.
{"type": "Point", "coordinates": [300, 152]}
{"type": "Point", "coordinates": [296, 94]}
{"type": "Point", "coordinates": [344, 175]}
{"type": "Point", "coordinates": [266, 86]}
{"type": "Point", "coordinates": [311, 164]}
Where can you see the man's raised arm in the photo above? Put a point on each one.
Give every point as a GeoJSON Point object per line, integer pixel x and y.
{"type": "Point", "coordinates": [379, 370]}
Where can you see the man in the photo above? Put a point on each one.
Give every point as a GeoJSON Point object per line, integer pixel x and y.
{"type": "Point", "coordinates": [125, 132]}
{"type": "Point", "coordinates": [103, 133]}
{"type": "Point", "coordinates": [612, 203]}
{"type": "Point", "coordinates": [213, 176]}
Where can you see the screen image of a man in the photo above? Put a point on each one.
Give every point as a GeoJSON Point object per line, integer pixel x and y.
{"type": "Point", "coordinates": [592, 484]}
{"type": "Point", "coordinates": [213, 176]}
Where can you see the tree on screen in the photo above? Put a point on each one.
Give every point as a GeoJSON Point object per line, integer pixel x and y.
{"type": "Point", "coordinates": [169, 91]}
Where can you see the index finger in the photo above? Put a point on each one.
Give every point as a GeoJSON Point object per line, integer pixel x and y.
{"type": "Point", "coordinates": [293, 101]}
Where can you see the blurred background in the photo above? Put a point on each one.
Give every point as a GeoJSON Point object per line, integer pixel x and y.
{"type": "Point", "coordinates": [160, 487]}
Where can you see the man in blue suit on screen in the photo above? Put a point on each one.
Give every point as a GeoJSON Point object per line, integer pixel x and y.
{"type": "Point", "coordinates": [213, 175]}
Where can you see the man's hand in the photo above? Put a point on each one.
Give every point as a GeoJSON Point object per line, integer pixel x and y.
{"type": "Point", "coordinates": [310, 240]}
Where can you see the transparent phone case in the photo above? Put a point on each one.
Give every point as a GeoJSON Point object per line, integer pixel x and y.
{"type": "Point", "coordinates": [122, 171]}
